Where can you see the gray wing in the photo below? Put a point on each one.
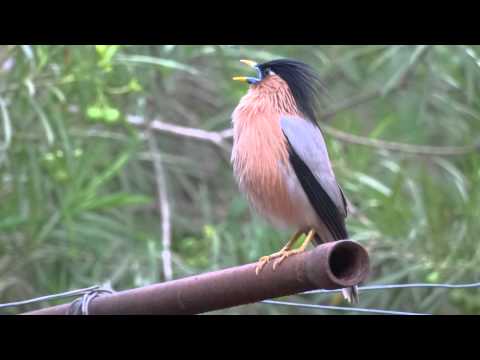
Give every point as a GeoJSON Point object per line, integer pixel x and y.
{"type": "Point", "coordinates": [311, 163]}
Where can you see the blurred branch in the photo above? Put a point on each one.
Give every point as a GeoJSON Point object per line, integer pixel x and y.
{"type": "Point", "coordinates": [400, 147]}
{"type": "Point", "coordinates": [217, 138]}
{"type": "Point", "coordinates": [99, 133]}
{"type": "Point", "coordinates": [348, 104]}
{"type": "Point", "coordinates": [164, 203]}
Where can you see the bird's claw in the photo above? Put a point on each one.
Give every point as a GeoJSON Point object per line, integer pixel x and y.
{"type": "Point", "coordinates": [282, 255]}
{"type": "Point", "coordinates": [264, 260]}
{"type": "Point", "coordinates": [279, 261]}
{"type": "Point", "coordinates": [261, 264]}
{"type": "Point", "coordinates": [285, 254]}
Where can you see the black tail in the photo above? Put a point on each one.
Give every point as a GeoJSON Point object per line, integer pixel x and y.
{"type": "Point", "coordinates": [350, 294]}
{"type": "Point", "coordinates": [317, 240]}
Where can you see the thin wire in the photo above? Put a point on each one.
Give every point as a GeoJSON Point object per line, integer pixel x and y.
{"type": "Point", "coordinates": [373, 287]}
{"type": "Point", "coordinates": [400, 286]}
{"type": "Point", "coordinates": [51, 297]}
{"type": "Point", "coordinates": [273, 302]}
{"type": "Point", "coordinates": [340, 308]}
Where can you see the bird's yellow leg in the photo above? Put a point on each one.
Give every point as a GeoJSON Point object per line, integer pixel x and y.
{"type": "Point", "coordinates": [287, 253]}
{"type": "Point", "coordinates": [265, 259]}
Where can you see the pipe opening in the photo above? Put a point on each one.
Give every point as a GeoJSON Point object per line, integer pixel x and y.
{"type": "Point", "coordinates": [347, 262]}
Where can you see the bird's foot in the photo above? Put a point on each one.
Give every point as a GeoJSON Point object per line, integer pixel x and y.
{"type": "Point", "coordinates": [286, 254]}
{"type": "Point", "coordinates": [282, 255]}
{"type": "Point", "coordinates": [264, 260]}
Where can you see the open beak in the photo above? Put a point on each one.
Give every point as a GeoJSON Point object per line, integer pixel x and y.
{"type": "Point", "coordinates": [249, 63]}
{"type": "Point", "coordinates": [250, 80]}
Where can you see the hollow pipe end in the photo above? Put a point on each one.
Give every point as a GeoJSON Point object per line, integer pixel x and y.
{"type": "Point", "coordinates": [340, 264]}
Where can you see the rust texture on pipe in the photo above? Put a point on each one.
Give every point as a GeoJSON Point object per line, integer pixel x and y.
{"type": "Point", "coordinates": [332, 265]}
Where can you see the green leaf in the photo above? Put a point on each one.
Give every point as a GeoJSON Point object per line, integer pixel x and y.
{"type": "Point", "coordinates": [399, 75]}
{"type": "Point", "coordinates": [380, 128]}
{"type": "Point", "coordinates": [101, 49]}
{"type": "Point", "coordinates": [44, 120]}
{"type": "Point", "coordinates": [42, 55]}
{"type": "Point", "coordinates": [12, 222]}
{"type": "Point", "coordinates": [457, 177]}
{"type": "Point", "coordinates": [106, 52]}
{"type": "Point", "coordinates": [7, 125]}
{"type": "Point", "coordinates": [115, 200]}
{"type": "Point", "coordinates": [150, 60]}
{"type": "Point", "coordinates": [61, 175]}
{"type": "Point", "coordinates": [433, 277]}
{"type": "Point", "coordinates": [111, 114]}
{"type": "Point", "coordinates": [388, 54]}
{"type": "Point", "coordinates": [58, 93]}
{"type": "Point", "coordinates": [209, 231]}
{"type": "Point", "coordinates": [134, 85]}
{"type": "Point", "coordinates": [95, 112]}
{"type": "Point", "coordinates": [108, 174]}
{"type": "Point", "coordinates": [373, 184]}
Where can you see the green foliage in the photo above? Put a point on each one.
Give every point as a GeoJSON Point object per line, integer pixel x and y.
{"type": "Point", "coordinates": [79, 190]}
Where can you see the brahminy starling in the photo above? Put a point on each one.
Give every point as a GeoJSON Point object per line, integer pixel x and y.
{"type": "Point", "coordinates": [280, 158]}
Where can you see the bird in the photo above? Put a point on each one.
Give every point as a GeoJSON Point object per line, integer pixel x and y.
{"type": "Point", "coordinates": [280, 159]}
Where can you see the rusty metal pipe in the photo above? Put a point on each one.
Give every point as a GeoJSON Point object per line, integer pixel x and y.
{"type": "Point", "coordinates": [329, 266]}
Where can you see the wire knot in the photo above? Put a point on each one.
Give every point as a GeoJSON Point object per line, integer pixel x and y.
{"type": "Point", "coordinates": [80, 305]}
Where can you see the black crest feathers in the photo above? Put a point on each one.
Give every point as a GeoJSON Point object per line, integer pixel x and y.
{"type": "Point", "coordinates": [304, 83]}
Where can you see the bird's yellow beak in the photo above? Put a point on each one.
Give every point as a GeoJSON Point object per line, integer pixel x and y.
{"type": "Point", "coordinates": [240, 78]}
{"type": "Point", "coordinates": [250, 63]}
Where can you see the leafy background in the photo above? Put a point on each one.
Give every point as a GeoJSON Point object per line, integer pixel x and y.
{"type": "Point", "coordinates": [89, 193]}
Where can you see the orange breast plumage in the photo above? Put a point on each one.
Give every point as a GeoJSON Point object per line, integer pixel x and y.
{"type": "Point", "coordinates": [260, 155]}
